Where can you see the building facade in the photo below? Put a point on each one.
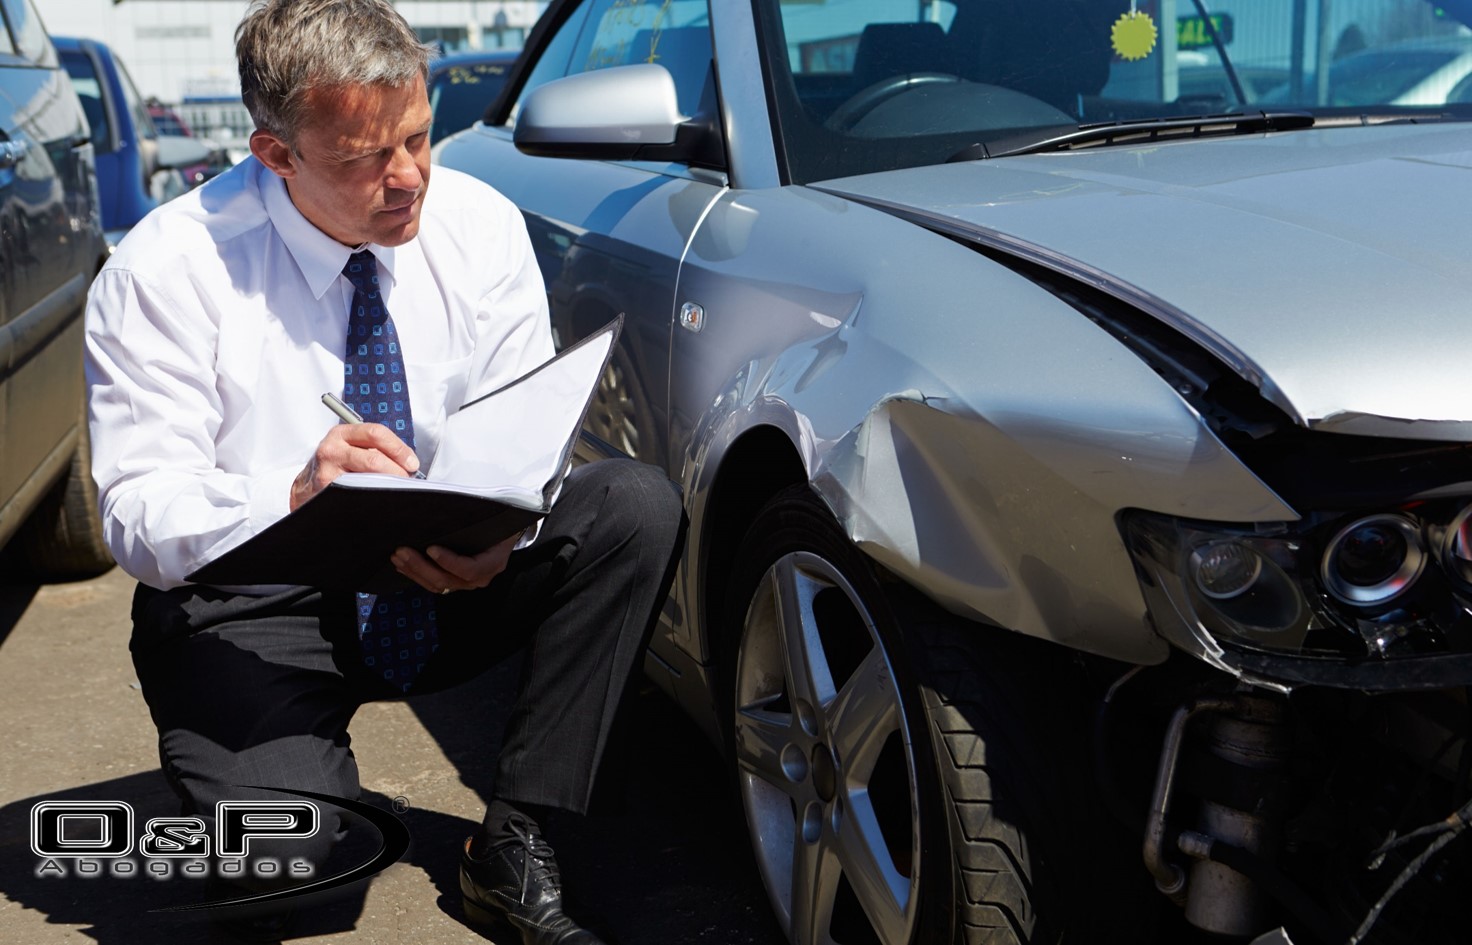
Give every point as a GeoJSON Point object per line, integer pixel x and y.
{"type": "Point", "coordinates": [182, 52]}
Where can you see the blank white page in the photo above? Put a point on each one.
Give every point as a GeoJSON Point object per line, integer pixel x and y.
{"type": "Point", "coordinates": [519, 435]}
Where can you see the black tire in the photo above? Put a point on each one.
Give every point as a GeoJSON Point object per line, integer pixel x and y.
{"type": "Point", "coordinates": [1008, 830]}
{"type": "Point", "coordinates": [62, 538]}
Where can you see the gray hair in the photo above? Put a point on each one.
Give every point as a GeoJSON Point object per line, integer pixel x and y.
{"type": "Point", "coordinates": [287, 48]}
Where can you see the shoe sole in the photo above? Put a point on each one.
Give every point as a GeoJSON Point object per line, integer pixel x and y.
{"type": "Point", "coordinates": [481, 915]}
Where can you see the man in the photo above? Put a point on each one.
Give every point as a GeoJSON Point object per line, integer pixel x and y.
{"type": "Point", "coordinates": [325, 262]}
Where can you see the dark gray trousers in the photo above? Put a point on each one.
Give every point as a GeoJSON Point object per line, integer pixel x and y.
{"type": "Point", "coordinates": [260, 690]}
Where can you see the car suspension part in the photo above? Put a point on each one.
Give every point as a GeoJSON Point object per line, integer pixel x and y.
{"type": "Point", "coordinates": [1238, 775]}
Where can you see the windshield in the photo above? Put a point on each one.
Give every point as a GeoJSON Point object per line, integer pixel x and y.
{"type": "Point", "coordinates": [459, 94]}
{"type": "Point", "coordinates": [869, 85]}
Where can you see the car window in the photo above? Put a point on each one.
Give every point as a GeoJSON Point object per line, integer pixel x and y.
{"type": "Point", "coordinates": [870, 85]}
{"type": "Point", "coordinates": [168, 123]}
{"type": "Point", "coordinates": [142, 121]}
{"type": "Point", "coordinates": [1384, 75]}
{"type": "Point", "coordinates": [1461, 94]}
{"type": "Point", "coordinates": [606, 33]}
{"type": "Point", "coordinates": [555, 56]}
{"type": "Point", "coordinates": [80, 67]}
{"type": "Point", "coordinates": [459, 94]}
{"type": "Point", "coordinates": [30, 38]}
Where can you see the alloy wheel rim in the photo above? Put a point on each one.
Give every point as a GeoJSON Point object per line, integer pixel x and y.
{"type": "Point", "coordinates": [825, 768]}
{"type": "Point", "coordinates": [612, 415]}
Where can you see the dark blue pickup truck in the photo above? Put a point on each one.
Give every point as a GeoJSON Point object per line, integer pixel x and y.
{"type": "Point", "coordinates": [137, 166]}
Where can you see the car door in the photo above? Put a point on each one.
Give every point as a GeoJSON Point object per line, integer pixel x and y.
{"type": "Point", "coordinates": [609, 235]}
{"type": "Point", "coordinates": [47, 223]}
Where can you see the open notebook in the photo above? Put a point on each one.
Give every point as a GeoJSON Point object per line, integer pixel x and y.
{"type": "Point", "coordinates": [499, 464]}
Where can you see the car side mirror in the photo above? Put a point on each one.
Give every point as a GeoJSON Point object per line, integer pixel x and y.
{"type": "Point", "coordinates": [621, 113]}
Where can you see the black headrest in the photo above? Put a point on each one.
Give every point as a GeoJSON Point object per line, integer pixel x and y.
{"type": "Point", "coordinates": [890, 49]}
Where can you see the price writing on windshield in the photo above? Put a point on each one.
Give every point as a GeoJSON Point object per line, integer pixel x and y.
{"type": "Point", "coordinates": [1192, 32]}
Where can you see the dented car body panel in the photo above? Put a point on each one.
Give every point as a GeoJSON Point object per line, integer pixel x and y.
{"type": "Point", "coordinates": [928, 446]}
{"type": "Point", "coordinates": [1308, 262]}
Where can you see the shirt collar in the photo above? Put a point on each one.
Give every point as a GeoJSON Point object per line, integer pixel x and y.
{"type": "Point", "coordinates": [320, 257]}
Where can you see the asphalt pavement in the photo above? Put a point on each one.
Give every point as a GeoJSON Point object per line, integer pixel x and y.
{"type": "Point", "coordinates": [665, 862]}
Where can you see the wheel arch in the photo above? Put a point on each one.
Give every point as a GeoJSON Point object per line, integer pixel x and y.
{"type": "Point", "coordinates": [758, 464]}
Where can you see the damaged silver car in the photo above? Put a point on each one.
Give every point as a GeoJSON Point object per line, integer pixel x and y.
{"type": "Point", "coordinates": [1071, 403]}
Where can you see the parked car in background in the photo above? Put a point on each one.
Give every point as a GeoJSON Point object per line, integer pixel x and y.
{"type": "Point", "coordinates": [137, 167]}
{"type": "Point", "coordinates": [1078, 477]}
{"type": "Point", "coordinates": [51, 246]}
{"type": "Point", "coordinates": [462, 85]}
{"type": "Point", "coordinates": [1434, 71]}
{"type": "Point", "coordinates": [166, 121]}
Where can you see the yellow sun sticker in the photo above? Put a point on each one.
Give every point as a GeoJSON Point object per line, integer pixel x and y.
{"type": "Point", "coordinates": [1133, 35]}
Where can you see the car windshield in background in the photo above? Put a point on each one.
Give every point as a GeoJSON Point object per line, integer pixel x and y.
{"type": "Point", "coordinates": [871, 85]}
{"type": "Point", "coordinates": [460, 88]}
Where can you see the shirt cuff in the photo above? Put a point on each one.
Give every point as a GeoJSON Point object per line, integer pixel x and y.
{"type": "Point", "coordinates": [270, 497]}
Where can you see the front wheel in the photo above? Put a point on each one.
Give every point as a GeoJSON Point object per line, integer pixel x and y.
{"type": "Point", "coordinates": [899, 781]}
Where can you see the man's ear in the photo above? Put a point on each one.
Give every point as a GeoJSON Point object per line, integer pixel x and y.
{"type": "Point", "coordinates": [273, 152]}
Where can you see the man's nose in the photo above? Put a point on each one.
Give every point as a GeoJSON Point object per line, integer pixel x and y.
{"type": "Point", "coordinates": [403, 171]}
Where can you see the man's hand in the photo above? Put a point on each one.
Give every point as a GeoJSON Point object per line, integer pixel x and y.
{"type": "Point", "coordinates": [352, 447]}
{"type": "Point", "coordinates": [442, 571]}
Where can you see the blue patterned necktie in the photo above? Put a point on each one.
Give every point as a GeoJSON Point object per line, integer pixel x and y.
{"type": "Point", "coordinates": [397, 630]}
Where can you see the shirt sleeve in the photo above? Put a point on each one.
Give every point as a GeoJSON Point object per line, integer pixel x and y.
{"type": "Point", "coordinates": [513, 325]}
{"type": "Point", "coordinates": [154, 413]}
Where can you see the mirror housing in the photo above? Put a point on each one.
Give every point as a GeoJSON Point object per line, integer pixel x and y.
{"type": "Point", "coordinates": [622, 113]}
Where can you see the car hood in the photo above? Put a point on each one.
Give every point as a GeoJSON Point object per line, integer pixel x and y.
{"type": "Point", "coordinates": [1329, 267]}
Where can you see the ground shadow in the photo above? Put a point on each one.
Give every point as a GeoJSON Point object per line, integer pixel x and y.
{"type": "Point", "coordinates": [14, 599]}
{"type": "Point", "coordinates": [663, 859]}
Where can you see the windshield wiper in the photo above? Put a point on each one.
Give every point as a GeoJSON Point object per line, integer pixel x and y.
{"type": "Point", "coordinates": [1065, 137]}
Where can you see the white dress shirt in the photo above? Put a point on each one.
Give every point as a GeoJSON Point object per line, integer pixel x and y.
{"type": "Point", "coordinates": [220, 321]}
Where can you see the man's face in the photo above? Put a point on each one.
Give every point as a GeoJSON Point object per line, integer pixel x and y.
{"type": "Point", "coordinates": [360, 165]}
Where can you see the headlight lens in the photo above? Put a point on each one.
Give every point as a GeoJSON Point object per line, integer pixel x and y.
{"type": "Point", "coordinates": [1243, 591]}
{"type": "Point", "coordinates": [1225, 569]}
{"type": "Point", "coordinates": [1456, 550]}
{"type": "Point", "coordinates": [1370, 583]}
{"type": "Point", "coordinates": [1373, 560]}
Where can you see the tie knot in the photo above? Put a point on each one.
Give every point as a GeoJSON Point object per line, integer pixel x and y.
{"type": "Point", "coordinates": [362, 270]}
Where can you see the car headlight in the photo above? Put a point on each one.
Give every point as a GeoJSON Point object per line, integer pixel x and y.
{"type": "Point", "coordinates": [1373, 560]}
{"type": "Point", "coordinates": [1456, 550]}
{"type": "Point", "coordinates": [1244, 589]}
{"type": "Point", "coordinates": [1377, 584]}
{"type": "Point", "coordinates": [1231, 584]}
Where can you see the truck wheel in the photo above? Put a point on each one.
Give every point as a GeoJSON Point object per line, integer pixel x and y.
{"type": "Point", "coordinates": [62, 539]}
{"type": "Point", "coordinates": [897, 768]}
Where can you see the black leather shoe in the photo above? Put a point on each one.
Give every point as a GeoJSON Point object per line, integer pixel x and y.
{"type": "Point", "coordinates": [518, 883]}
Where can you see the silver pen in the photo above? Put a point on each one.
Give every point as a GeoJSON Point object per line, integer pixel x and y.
{"type": "Point", "coordinates": [348, 415]}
